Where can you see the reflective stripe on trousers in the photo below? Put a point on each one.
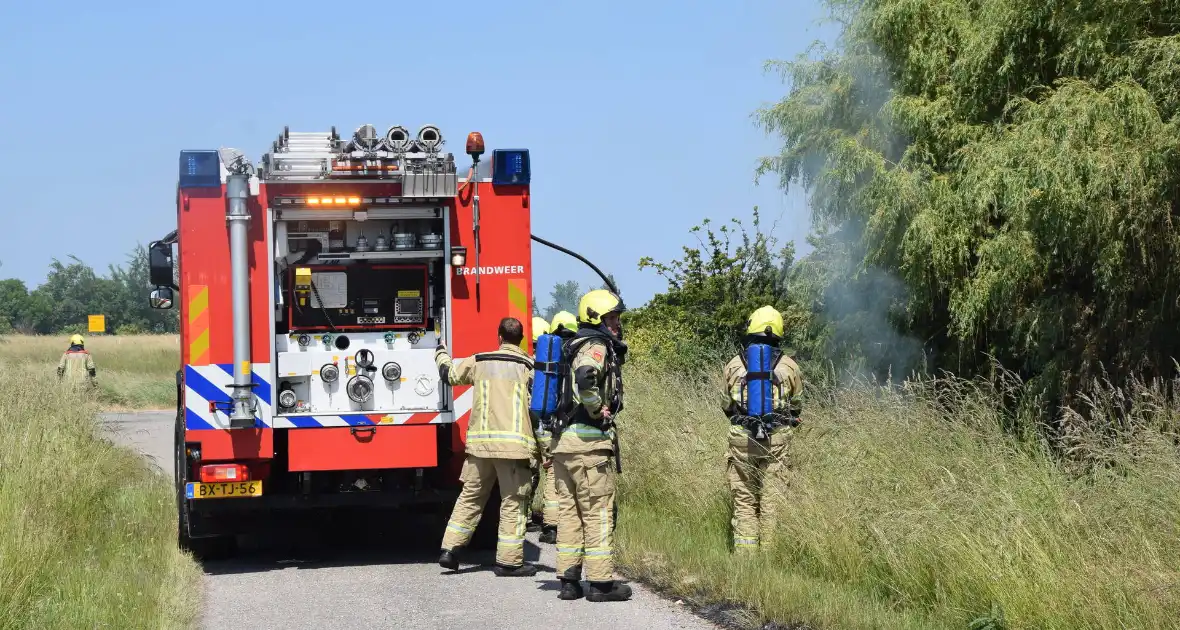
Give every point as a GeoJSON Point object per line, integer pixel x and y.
{"type": "Point", "coordinates": [478, 477]}
{"type": "Point", "coordinates": [757, 473]}
{"type": "Point", "coordinates": [586, 498]}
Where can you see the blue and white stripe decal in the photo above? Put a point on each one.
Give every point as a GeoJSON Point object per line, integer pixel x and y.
{"type": "Point", "coordinates": [204, 384]}
{"type": "Point", "coordinates": [359, 420]}
{"type": "Point", "coordinates": [208, 383]}
{"type": "Point", "coordinates": [461, 407]}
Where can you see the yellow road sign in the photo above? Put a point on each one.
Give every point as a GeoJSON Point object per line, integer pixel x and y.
{"type": "Point", "coordinates": [98, 323]}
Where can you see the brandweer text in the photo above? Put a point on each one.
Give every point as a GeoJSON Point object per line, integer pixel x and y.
{"type": "Point", "coordinates": [497, 270]}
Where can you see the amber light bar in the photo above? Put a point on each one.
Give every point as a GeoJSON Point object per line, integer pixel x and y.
{"type": "Point", "coordinates": [335, 201]}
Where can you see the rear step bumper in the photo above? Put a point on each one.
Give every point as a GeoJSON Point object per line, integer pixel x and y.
{"type": "Point", "coordinates": [355, 448]}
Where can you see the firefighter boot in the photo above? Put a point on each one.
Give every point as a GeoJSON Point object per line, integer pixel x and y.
{"type": "Point", "coordinates": [614, 591]}
{"type": "Point", "coordinates": [548, 534]}
{"type": "Point", "coordinates": [448, 560]}
{"type": "Point", "coordinates": [524, 570]}
{"type": "Point", "coordinates": [570, 589]}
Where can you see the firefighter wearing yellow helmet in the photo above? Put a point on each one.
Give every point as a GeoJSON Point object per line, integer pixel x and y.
{"type": "Point", "coordinates": [591, 398]}
{"type": "Point", "coordinates": [540, 327]}
{"type": "Point", "coordinates": [76, 367]}
{"type": "Point", "coordinates": [565, 326]}
{"type": "Point", "coordinates": [758, 443]}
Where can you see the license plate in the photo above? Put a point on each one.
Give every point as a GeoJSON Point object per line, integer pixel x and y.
{"type": "Point", "coordinates": [226, 490]}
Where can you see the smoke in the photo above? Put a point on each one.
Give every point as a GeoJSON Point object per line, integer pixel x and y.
{"type": "Point", "coordinates": [864, 307]}
{"type": "Point", "coordinates": [864, 311]}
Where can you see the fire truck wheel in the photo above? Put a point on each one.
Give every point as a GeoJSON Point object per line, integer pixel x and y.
{"type": "Point", "coordinates": [486, 532]}
{"type": "Point", "coordinates": [202, 548]}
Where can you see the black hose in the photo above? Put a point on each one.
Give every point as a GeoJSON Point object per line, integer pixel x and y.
{"type": "Point", "coordinates": [563, 250]}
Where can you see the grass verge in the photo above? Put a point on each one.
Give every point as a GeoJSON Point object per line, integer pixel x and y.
{"type": "Point", "coordinates": [89, 528]}
{"type": "Point", "coordinates": [905, 510]}
{"type": "Point", "coordinates": [134, 371]}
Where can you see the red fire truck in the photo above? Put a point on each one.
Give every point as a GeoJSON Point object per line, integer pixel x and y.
{"type": "Point", "coordinates": [314, 287]}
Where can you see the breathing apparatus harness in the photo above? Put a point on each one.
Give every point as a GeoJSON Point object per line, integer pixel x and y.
{"type": "Point", "coordinates": [616, 353]}
{"type": "Point", "coordinates": [760, 389]}
{"type": "Point", "coordinates": [549, 377]}
{"type": "Point", "coordinates": [570, 412]}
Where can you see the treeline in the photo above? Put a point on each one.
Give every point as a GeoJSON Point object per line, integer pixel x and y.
{"type": "Point", "coordinates": [565, 296]}
{"type": "Point", "coordinates": [72, 291]}
{"type": "Point", "coordinates": [991, 184]}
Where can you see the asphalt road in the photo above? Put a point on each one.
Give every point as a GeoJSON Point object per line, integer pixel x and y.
{"type": "Point", "coordinates": [364, 575]}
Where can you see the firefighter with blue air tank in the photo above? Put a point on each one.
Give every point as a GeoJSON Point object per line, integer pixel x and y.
{"type": "Point", "coordinates": [763, 403]}
{"type": "Point", "coordinates": [540, 329]}
{"type": "Point", "coordinates": [584, 446]}
{"type": "Point", "coordinates": [543, 408]}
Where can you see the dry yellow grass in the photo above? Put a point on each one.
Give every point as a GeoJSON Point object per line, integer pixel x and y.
{"type": "Point", "coordinates": [906, 511]}
{"type": "Point", "coordinates": [87, 529]}
{"type": "Point", "coordinates": [134, 372]}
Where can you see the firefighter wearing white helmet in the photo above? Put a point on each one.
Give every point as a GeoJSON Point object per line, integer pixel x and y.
{"type": "Point", "coordinates": [76, 366]}
{"type": "Point", "coordinates": [760, 433]}
{"type": "Point", "coordinates": [591, 398]}
{"type": "Point", "coordinates": [564, 325]}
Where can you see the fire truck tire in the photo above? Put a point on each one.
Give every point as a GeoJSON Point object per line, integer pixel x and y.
{"type": "Point", "coordinates": [203, 547]}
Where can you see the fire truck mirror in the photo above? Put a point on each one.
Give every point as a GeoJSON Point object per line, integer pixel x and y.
{"type": "Point", "coordinates": [160, 264]}
{"type": "Point", "coordinates": [162, 298]}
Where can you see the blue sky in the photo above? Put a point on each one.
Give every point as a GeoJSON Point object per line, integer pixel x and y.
{"type": "Point", "coordinates": [637, 114]}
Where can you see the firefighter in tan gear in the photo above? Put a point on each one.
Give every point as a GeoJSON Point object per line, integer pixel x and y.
{"type": "Point", "coordinates": [540, 327]}
{"type": "Point", "coordinates": [76, 367]}
{"type": "Point", "coordinates": [565, 326]}
{"type": "Point", "coordinates": [584, 448]}
{"type": "Point", "coordinates": [757, 460]}
{"type": "Point", "coordinates": [501, 447]}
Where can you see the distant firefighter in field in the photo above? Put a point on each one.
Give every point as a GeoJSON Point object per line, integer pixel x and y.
{"type": "Point", "coordinates": [76, 367]}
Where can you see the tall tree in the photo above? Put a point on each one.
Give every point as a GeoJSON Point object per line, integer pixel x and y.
{"type": "Point", "coordinates": [613, 280]}
{"type": "Point", "coordinates": [563, 297]}
{"type": "Point", "coordinates": [14, 298]}
{"type": "Point", "coordinates": [1012, 163]}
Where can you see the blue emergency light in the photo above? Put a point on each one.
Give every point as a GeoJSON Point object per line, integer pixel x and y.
{"type": "Point", "coordinates": [511, 167]}
{"type": "Point", "coordinates": [200, 169]}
